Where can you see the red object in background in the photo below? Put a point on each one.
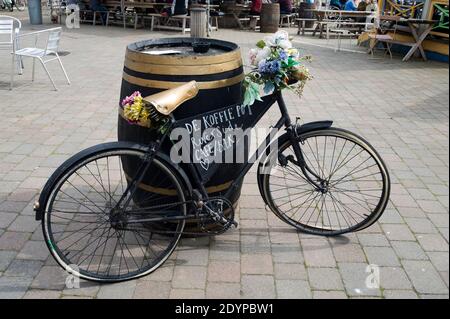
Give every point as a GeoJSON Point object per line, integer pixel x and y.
{"type": "Point", "coordinates": [256, 6]}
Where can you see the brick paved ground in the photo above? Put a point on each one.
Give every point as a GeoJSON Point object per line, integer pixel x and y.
{"type": "Point", "coordinates": [402, 108]}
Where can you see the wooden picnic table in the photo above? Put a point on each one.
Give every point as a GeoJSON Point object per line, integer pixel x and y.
{"type": "Point", "coordinates": [324, 16]}
{"type": "Point", "coordinates": [419, 29]}
{"type": "Point", "coordinates": [236, 10]}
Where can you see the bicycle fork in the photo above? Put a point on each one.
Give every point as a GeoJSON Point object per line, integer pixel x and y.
{"type": "Point", "coordinates": [300, 162]}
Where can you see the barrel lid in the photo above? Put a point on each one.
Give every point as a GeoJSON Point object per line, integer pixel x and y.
{"type": "Point", "coordinates": [180, 51]}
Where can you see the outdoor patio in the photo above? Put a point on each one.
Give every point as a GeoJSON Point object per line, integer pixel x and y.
{"type": "Point", "coordinates": [401, 108]}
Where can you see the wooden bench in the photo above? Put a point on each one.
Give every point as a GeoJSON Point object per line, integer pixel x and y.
{"type": "Point", "coordinates": [87, 15]}
{"type": "Point", "coordinates": [156, 22]}
{"type": "Point", "coordinates": [286, 20]}
{"type": "Point", "coordinates": [302, 25]}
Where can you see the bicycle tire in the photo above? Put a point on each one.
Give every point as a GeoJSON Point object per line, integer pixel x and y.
{"type": "Point", "coordinates": [72, 168]}
{"type": "Point", "coordinates": [375, 214]}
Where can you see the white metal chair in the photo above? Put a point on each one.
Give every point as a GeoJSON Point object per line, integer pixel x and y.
{"type": "Point", "coordinates": [9, 30]}
{"type": "Point", "coordinates": [51, 50]}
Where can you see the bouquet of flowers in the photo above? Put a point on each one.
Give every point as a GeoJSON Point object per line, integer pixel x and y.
{"type": "Point", "coordinates": [134, 108]}
{"type": "Point", "coordinates": [277, 65]}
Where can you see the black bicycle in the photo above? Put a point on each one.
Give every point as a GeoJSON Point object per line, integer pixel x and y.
{"type": "Point", "coordinates": [116, 211]}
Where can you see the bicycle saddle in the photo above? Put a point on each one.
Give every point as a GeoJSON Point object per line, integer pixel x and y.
{"type": "Point", "coordinates": [167, 101]}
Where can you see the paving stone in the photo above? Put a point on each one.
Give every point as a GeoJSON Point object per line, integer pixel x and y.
{"type": "Point", "coordinates": [408, 250]}
{"type": "Point", "coordinates": [431, 296]}
{"type": "Point", "coordinates": [187, 294]}
{"type": "Point", "coordinates": [399, 294]}
{"type": "Point", "coordinates": [163, 273]}
{"type": "Point", "coordinates": [355, 277]}
{"type": "Point", "coordinates": [431, 206]}
{"type": "Point", "coordinates": [424, 277]}
{"type": "Point", "coordinates": [42, 294]}
{"type": "Point", "coordinates": [193, 256]}
{"type": "Point", "coordinates": [13, 240]}
{"type": "Point", "coordinates": [381, 256]}
{"type": "Point", "coordinates": [35, 250]}
{"type": "Point", "coordinates": [24, 224]}
{"type": "Point", "coordinates": [432, 242]}
{"type": "Point", "coordinates": [50, 278]}
{"type": "Point", "coordinates": [6, 219]}
{"type": "Point", "coordinates": [12, 206]}
{"type": "Point", "coordinates": [373, 240]}
{"type": "Point", "coordinates": [287, 254]}
{"type": "Point", "coordinates": [6, 257]}
{"type": "Point", "coordinates": [152, 290]}
{"type": "Point", "coordinates": [222, 290]}
{"type": "Point", "coordinates": [325, 279]}
{"type": "Point", "coordinates": [293, 289]}
{"type": "Point", "coordinates": [258, 286]}
{"type": "Point", "coordinates": [224, 271]}
{"type": "Point", "coordinates": [225, 251]}
{"type": "Point", "coordinates": [84, 289]}
{"type": "Point", "coordinates": [13, 287]}
{"type": "Point", "coordinates": [122, 290]}
{"type": "Point", "coordinates": [191, 277]}
{"type": "Point", "coordinates": [255, 243]}
{"type": "Point", "coordinates": [322, 294]}
{"type": "Point", "coordinates": [398, 232]}
{"type": "Point", "coordinates": [394, 278]}
{"type": "Point", "coordinates": [23, 268]}
{"type": "Point", "coordinates": [421, 225]}
{"type": "Point", "coordinates": [258, 264]}
{"type": "Point", "coordinates": [290, 271]}
{"type": "Point", "coordinates": [317, 253]}
{"type": "Point", "coordinates": [349, 253]}
{"type": "Point", "coordinates": [439, 260]}
{"type": "Point", "coordinates": [439, 220]}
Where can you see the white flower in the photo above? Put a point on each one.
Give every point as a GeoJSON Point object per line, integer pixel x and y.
{"type": "Point", "coordinates": [270, 40]}
{"type": "Point", "coordinates": [263, 54]}
{"type": "Point", "coordinates": [285, 44]}
{"type": "Point", "coordinates": [281, 35]}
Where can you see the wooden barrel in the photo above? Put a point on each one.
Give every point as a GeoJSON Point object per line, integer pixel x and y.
{"type": "Point", "coordinates": [270, 17]}
{"type": "Point", "coordinates": [219, 74]}
{"type": "Point", "coordinates": [305, 11]}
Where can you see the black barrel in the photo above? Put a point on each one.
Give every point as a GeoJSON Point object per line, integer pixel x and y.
{"type": "Point", "coordinates": [219, 74]}
{"type": "Point", "coordinates": [305, 11]}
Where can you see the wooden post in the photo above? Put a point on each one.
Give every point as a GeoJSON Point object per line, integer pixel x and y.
{"type": "Point", "coordinates": [198, 22]}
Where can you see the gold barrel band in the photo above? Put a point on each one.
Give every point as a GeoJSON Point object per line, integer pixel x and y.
{"type": "Point", "coordinates": [165, 85]}
{"type": "Point", "coordinates": [198, 61]}
{"type": "Point", "coordinates": [173, 192]}
{"type": "Point", "coordinates": [182, 69]}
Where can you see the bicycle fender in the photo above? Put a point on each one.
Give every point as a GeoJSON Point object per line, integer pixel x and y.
{"type": "Point", "coordinates": [39, 206]}
{"type": "Point", "coordinates": [313, 126]}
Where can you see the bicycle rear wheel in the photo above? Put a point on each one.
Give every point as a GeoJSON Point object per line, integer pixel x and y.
{"type": "Point", "coordinates": [90, 236]}
{"type": "Point", "coordinates": [356, 179]}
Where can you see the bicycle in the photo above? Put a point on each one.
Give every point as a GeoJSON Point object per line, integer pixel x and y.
{"type": "Point", "coordinates": [10, 4]}
{"type": "Point", "coordinates": [116, 211]}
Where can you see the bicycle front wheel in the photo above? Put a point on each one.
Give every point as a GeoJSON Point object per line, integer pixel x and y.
{"type": "Point", "coordinates": [355, 179]}
{"type": "Point", "coordinates": [91, 236]}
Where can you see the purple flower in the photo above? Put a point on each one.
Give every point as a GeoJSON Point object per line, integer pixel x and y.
{"type": "Point", "coordinates": [269, 67]}
{"type": "Point", "coordinates": [130, 99]}
{"type": "Point", "coordinates": [283, 55]}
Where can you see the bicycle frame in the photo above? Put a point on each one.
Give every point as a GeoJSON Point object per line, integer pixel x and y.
{"type": "Point", "coordinates": [284, 121]}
